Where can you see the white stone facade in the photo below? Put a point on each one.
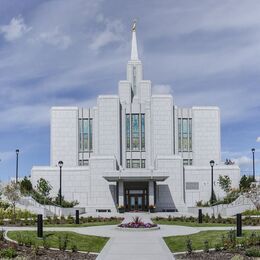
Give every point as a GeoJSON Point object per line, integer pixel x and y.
{"type": "Point", "coordinates": [135, 149]}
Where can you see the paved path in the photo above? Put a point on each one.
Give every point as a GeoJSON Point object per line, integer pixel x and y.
{"type": "Point", "coordinates": [134, 245]}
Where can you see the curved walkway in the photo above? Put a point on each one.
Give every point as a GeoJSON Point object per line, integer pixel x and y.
{"type": "Point", "coordinates": [133, 245]}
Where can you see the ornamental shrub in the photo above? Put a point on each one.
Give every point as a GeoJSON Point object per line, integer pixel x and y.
{"type": "Point", "coordinates": [8, 253]}
{"type": "Point", "coordinates": [206, 246]}
{"type": "Point", "coordinates": [189, 246]}
{"type": "Point", "coordinates": [253, 252]}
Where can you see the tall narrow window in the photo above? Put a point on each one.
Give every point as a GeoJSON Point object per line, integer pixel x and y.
{"type": "Point", "coordinates": [85, 134]}
{"type": "Point", "coordinates": [184, 134]}
{"type": "Point", "coordinates": [134, 80]}
{"type": "Point", "coordinates": [80, 136]}
{"type": "Point", "coordinates": [179, 134]}
{"type": "Point", "coordinates": [142, 132]}
{"type": "Point", "coordinates": [90, 134]}
{"type": "Point", "coordinates": [128, 132]}
{"type": "Point", "coordinates": [135, 132]}
{"type": "Point", "coordinates": [190, 134]}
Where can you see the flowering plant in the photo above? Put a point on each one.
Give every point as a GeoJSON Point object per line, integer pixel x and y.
{"type": "Point", "coordinates": [137, 223]}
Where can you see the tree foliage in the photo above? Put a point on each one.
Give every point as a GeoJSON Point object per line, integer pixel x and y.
{"type": "Point", "coordinates": [224, 183]}
{"type": "Point", "coordinates": [12, 193]}
{"type": "Point", "coordinates": [245, 182]}
{"type": "Point", "coordinates": [44, 187]}
{"type": "Point", "coordinates": [26, 186]}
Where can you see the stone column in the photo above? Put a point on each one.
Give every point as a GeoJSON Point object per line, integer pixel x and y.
{"type": "Point", "coordinates": [120, 193]}
{"type": "Point", "coordinates": [151, 192]}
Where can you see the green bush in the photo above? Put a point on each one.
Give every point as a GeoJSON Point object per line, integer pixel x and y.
{"type": "Point", "coordinates": [4, 205]}
{"type": "Point", "coordinates": [189, 248]}
{"type": "Point", "coordinates": [217, 247]}
{"type": "Point", "coordinates": [63, 242]}
{"type": "Point", "coordinates": [2, 235]}
{"type": "Point", "coordinates": [45, 243]}
{"type": "Point", "coordinates": [253, 212]}
{"type": "Point", "coordinates": [8, 253]}
{"type": "Point", "coordinates": [253, 252]}
{"type": "Point", "coordinates": [206, 246]}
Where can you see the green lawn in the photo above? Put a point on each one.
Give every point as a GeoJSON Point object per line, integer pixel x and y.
{"type": "Point", "coordinates": [178, 243]}
{"type": "Point", "coordinates": [89, 224]}
{"type": "Point", "coordinates": [83, 242]}
{"type": "Point", "coordinates": [190, 224]}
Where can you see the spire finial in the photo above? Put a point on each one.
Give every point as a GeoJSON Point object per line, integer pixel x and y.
{"type": "Point", "coordinates": [134, 25]}
{"type": "Point", "coordinates": [134, 52]}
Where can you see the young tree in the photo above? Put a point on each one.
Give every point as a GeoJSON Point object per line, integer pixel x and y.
{"type": "Point", "coordinates": [224, 183]}
{"type": "Point", "coordinates": [26, 186]}
{"type": "Point", "coordinates": [44, 187]}
{"type": "Point", "coordinates": [12, 193]}
{"type": "Point", "coordinates": [245, 183]}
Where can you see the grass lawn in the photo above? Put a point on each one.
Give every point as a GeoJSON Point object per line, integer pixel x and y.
{"type": "Point", "coordinates": [89, 224]}
{"type": "Point", "coordinates": [83, 242]}
{"type": "Point", "coordinates": [178, 243]}
{"type": "Point", "coordinates": [190, 224]}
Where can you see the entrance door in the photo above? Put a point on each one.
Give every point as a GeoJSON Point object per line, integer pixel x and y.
{"type": "Point", "coordinates": [136, 202]}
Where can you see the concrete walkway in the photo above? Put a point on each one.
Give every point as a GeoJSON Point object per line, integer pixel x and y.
{"type": "Point", "coordinates": [134, 245]}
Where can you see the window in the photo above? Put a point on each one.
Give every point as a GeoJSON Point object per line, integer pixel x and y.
{"type": "Point", "coordinates": [187, 161]}
{"type": "Point", "coordinates": [190, 134]}
{"type": "Point", "coordinates": [128, 132]}
{"type": "Point", "coordinates": [135, 132]}
{"type": "Point", "coordinates": [185, 134]}
{"type": "Point", "coordinates": [192, 185]}
{"type": "Point", "coordinates": [84, 162]}
{"type": "Point", "coordinates": [135, 163]}
{"type": "Point", "coordinates": [85, 140]}
{"type": "Point", "coordinates": [134, 80]}
{"type": "Point", "coordinates": [142, 132]}
{"type": "Point", "coordinates": [85, 134]}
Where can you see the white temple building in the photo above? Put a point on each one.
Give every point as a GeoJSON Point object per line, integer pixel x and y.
{"type": "Point", "coordinates": [135, 149]}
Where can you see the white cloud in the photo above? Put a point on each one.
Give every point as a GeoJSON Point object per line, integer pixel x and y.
{"type": "Point", "coordinates": [15, 29]}
{"type": "Point", "coordinates": [55, 38]}
{"type": "Point", "coordinates": [243, 161]}
{"type": "Point", "coordinates": [258, 139]}
{"type": "Point", "coordinates": [6, 155]}
{"type": "Point", "coordinates": [162, 89]}
{"type": "Point", "coordinates": [112, 33]}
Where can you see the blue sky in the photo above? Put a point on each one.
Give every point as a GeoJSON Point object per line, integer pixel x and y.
{"type": "Point", "coordinates": [66, 52]}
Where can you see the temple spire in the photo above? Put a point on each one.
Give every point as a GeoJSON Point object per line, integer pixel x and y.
{"type": "Point", "coordinates": [134, 52]}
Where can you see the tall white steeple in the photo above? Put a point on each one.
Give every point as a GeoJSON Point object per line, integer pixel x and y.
{"type": "Point", "coordinates": [134, 52]}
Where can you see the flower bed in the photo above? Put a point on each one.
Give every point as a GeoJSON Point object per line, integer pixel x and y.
{"type": "Point", "coordinates": [137, 223]}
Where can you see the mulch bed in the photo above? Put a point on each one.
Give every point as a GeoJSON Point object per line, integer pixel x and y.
{"type": "Point", "coordinates": [44, 254]}
{"type": "Point", "coordinates": [220, 255]}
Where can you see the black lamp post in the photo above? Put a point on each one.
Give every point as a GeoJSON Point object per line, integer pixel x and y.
{"type": "Point", "coordinates": [212, 191]}
{"type": "Point", "coordinates": [253, 152]}
{"type": "Point", "coordinates": [60, 163]}
{"type": "Point", "coordinates": [16, 175]}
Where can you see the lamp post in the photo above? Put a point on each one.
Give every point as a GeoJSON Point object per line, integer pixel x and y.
{"type": "Point", "coordinates": [212, 191]}
{"type": "Point", "coordinates": [253, 152]}
{"type": "Point", "coordinates": [60, 163]}
{"type": "Point", "coordinates": [16, 175]}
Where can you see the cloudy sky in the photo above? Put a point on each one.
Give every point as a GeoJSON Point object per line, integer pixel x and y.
{"type": "Point", "coordinates": [66, 52]}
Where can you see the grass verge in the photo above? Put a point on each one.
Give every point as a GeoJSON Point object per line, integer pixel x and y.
{"type": "Point", "coordinates": [190, 224]}
{"type": "Point", "coordinates": [84, 242]}
{"type": "Point", "coordinates": [178, 243]}
{"type": "Point", "coordinates": [89, 224]}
